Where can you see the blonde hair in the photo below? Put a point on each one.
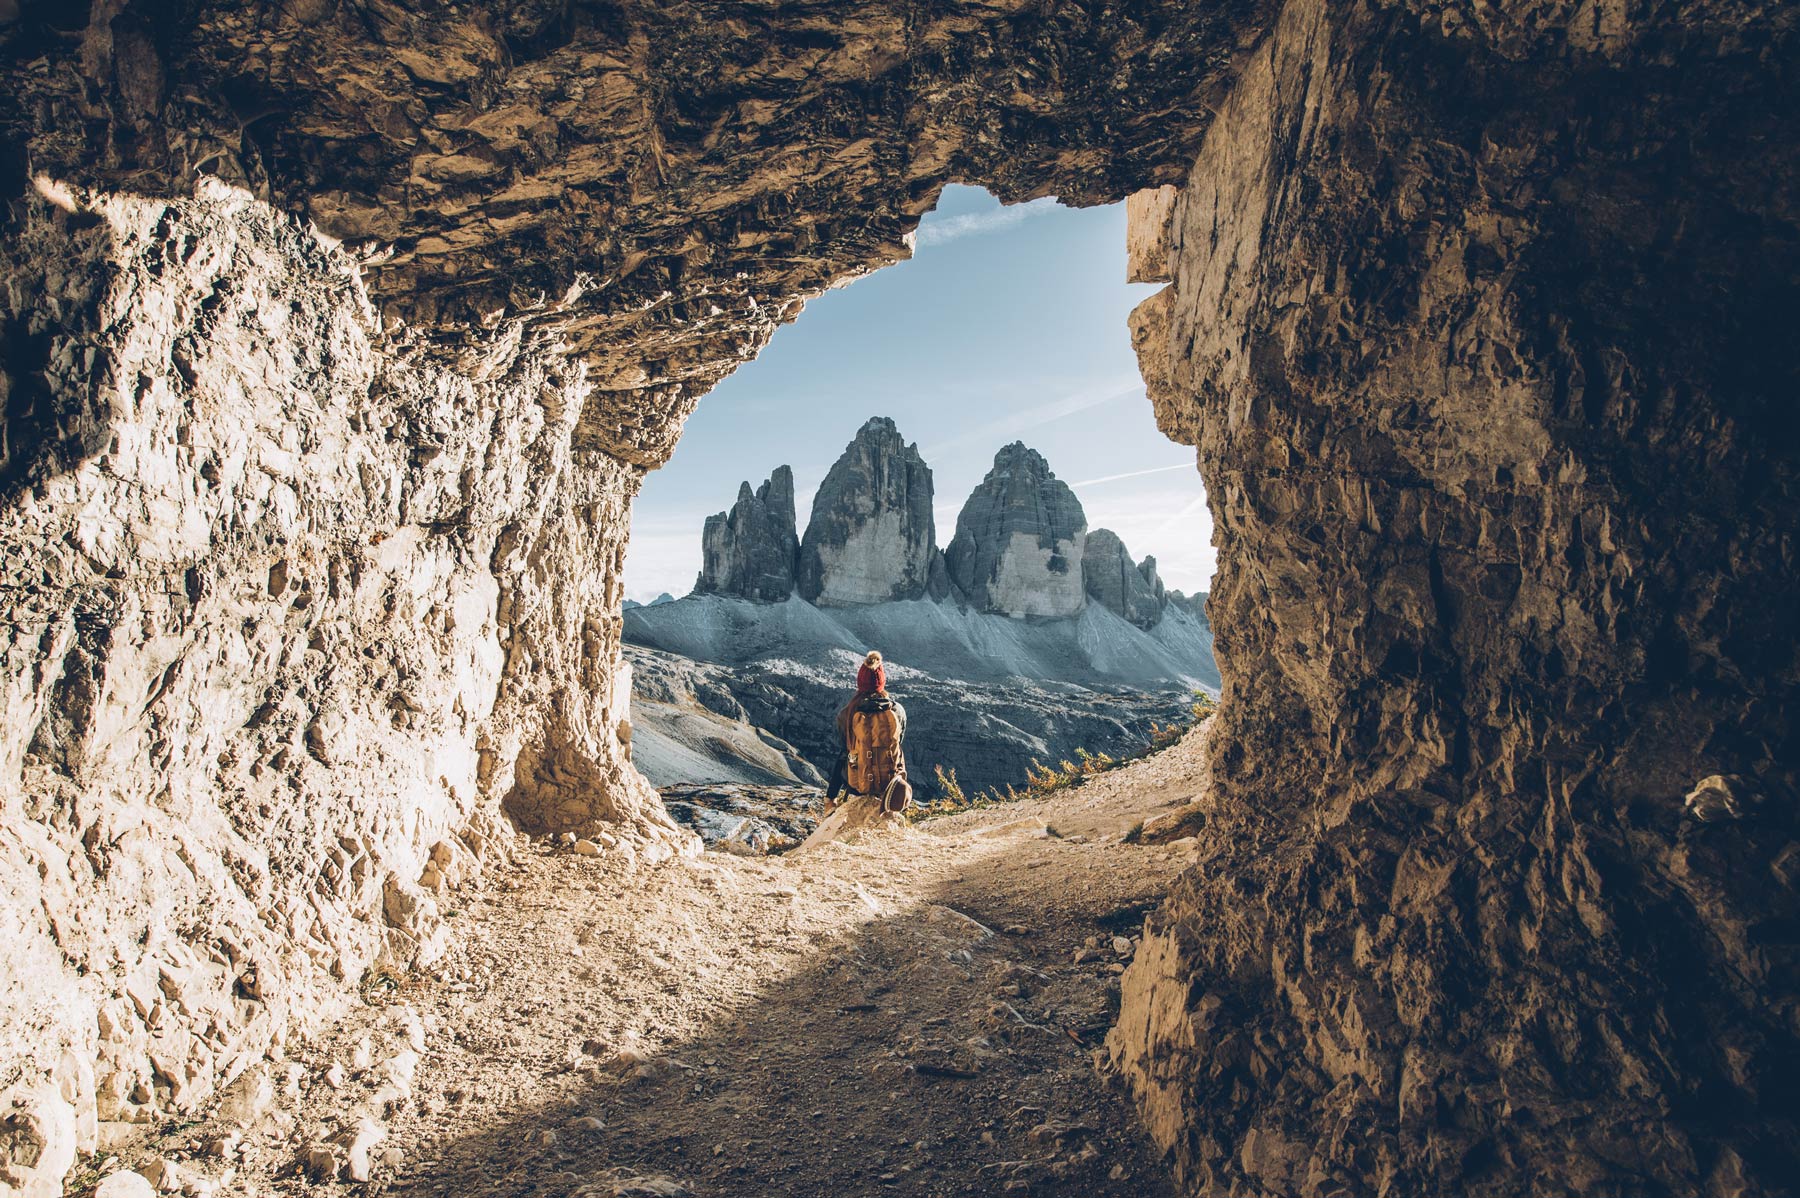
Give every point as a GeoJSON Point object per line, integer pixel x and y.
{"type": "Point", "coordinates": [873, 659]}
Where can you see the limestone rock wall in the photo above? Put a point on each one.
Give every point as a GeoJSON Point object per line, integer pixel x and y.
{"type": "Point", "coordinates": [661, 183]}
{"type": "Point", "coordinates": [872, 536]}
{"type": "Point", "coordinates": [313, 532]}
{"type": "Point", "coordinates": [1112, 580]}
{"type": "Point", "coordinates": [1472, 316]}
{"type": "Point", "coordinates": [752, 550]}
{"type": "Point", "coordinates": [1476, 314]}
{"type": "Point", "coordinates": [281, 602]}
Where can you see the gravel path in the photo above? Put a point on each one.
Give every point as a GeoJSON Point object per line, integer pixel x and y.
{"type": "Point", "coordinates": [915, 1012]}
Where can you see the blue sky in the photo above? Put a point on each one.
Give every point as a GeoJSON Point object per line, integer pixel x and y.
{"type": "Point", "coordinates": [1008, 324]}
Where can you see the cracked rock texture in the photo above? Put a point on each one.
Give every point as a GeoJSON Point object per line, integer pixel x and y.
{"type": "Point", "coordinates": [872, 537]}
{"type": "Point", "coordinates": [1112, 580]}
{"type": "Point", "coordinates": [292, 615]}
{"type": "Point", "coordinates": [338, 335]}
{"type": "Point", "coordinates": [662, 184]}
{"type": "Point", "coordinates": [752, 551]}
{"type": "Point", "coordinates": [1473, 316]}
{"type": "Point", "coordinates": [1019, 539]}
{"type": "Point", "coordinates": [1477, 314]}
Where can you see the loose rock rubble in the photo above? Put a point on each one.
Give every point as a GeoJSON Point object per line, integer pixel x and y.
{"type": "Point", "coordinates": [746, 819]}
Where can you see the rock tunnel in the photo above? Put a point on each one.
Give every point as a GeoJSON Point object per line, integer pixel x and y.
{"type": "Point", "coordinates": [340, 334]}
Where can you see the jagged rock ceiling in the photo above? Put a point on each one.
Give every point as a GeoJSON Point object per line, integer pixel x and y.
{"type": "Point", "coordinates": [659, 184]}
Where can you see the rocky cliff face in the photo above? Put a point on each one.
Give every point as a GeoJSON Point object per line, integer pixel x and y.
{"type": "Point", "coordinates": [312, 539]}
{"type": "Point", "coordinates": [872, 535]}
{"type": "Point", "coordinates": [1470, 325]}
{"type": "Point", "coordinates": [293, 618]}
{"type": "Point", "coordinates": [1111, 580]}
{"type": "Point", "coordinates": [1019, 540]}
{"type": "Point", "coordinates": [1194, 604]}
{"type": "Point", "coordinates": [753, 551]}
{"type": "Point", "coordinates": [315, 482]}
{"type": "Point", "coordinates": [660, 185]}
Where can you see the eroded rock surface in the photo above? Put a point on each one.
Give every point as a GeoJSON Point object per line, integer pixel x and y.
{"type": "Point", "coordinates": [752, 551]}
{"type": "Point", "coordinates": [313, 539]}
{"type": "Point", "coordinates": [1474, 340]}
{"type": "Point", "coordinates": [1477, 317]}
{"type": "Point", "coordinates": [1114, 581]}
{"type": "Point", "coordinates": [1019, 540]}
{"type": "Point", "coordinates": [293, 616]}
{"type": "Point", "coordinates": [872, 536]}
{"type": "Point", "coordinates": [662, 184]}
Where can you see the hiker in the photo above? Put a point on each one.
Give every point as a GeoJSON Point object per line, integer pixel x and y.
{"type": "Point", "coordinates": [871, 684]}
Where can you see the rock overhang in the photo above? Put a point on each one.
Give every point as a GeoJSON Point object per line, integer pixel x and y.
{"type": "Point", "coordinates": [655, 188]}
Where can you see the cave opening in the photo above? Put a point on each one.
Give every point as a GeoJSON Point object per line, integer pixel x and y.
{"type": "Point", "coordinates": [1473, 318]}
{"type": "Point", "coordinates": [1003, 475]}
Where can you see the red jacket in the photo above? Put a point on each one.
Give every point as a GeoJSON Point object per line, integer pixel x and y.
{"type": "Point", "coordinates": [869, 681]}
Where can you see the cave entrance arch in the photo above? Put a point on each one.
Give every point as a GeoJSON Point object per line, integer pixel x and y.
{"type": "Point", "coordinates": [1001, 458]}
{"type": "Point", "coordinates": [1475, 319]}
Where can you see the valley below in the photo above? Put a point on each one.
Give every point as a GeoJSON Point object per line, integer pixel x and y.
{"type": "Point", "coordinates": [1030, 641]}
{"type": "Point", "coordinates": [772, 721]}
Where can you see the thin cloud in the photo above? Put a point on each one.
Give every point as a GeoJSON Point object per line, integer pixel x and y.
{"type": "Point", "coordinates": [1113, 478]}
{"type": "Point", "coordinates": [974, 224]}
{"type": "Point", "coordinates": [995, 433]}
{"type": "Point", "coordinates": [1196, 505]}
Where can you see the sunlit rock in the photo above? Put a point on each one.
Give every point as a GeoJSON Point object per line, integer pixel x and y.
{"type": "Point", "coordinates": [1019, 540]}
{"type": "Point", "coordinates": [872, 535]}
{"type": "Point", "coordinates": [1117, 584]}
{"type": "Point", "coordinates": [752, 551]}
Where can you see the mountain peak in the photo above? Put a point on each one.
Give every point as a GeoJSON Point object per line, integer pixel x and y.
{"type": "Point", "coordinates": [1020, 457]}
{"type": "Point", "coordinates": [1134, 592]}
{"type": "Point", "coordinates": [1019, 539]}
{"type": "Point", "coordinates": [751, 551]}
{"type": "Point", "coordinates": [872, 536]}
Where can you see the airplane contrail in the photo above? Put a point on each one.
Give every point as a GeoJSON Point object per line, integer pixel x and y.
{"type": "Point", "coordinates": [1193, 506]}
{"type": "Point", "coordinates": [1014, 423]}
{"type": "Point", "coordinates": [1113, 478]}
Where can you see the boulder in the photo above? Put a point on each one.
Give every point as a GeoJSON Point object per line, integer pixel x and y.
{"type": "Point", "coordinates": [1019, 540]}
{"type": "Point", "coordinates": [37, 1143]}
{"type": "Point", "coordinates": [751, 552]}
{"type": "Point", "coordinates": [871, 537]}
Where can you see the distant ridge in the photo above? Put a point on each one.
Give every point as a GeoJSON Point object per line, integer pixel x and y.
{"type": "Point", "coordinates": [1022, 546]}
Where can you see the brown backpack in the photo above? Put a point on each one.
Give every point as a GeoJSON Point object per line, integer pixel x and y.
{"type": "Point", "coordinates": [875, 758]}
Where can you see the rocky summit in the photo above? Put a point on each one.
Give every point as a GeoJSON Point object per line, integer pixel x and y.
{"type": "Point", "coordinates": [752, 551]}
{"type": "Point", "coordinates": [1019, 540]}
{"type": "Point", "coordinates": [872, 537]}
{"type": "Point", "coordinates": [1022, 547]}
{"type": "Point", "coordinates": [1038, 659]}
{"type": "Point", "coordinates": [1125, 588]}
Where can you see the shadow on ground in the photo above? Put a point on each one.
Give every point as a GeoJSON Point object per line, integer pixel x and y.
{"type": "Point", "coordinates": [929, 1052]}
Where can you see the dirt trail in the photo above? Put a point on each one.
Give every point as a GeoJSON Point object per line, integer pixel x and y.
{"type": "Point", "coordinates": [912, 1013]}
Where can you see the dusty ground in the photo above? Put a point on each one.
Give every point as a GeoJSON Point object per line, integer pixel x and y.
{"type": "Point", "coordinates": [913, 1013]}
